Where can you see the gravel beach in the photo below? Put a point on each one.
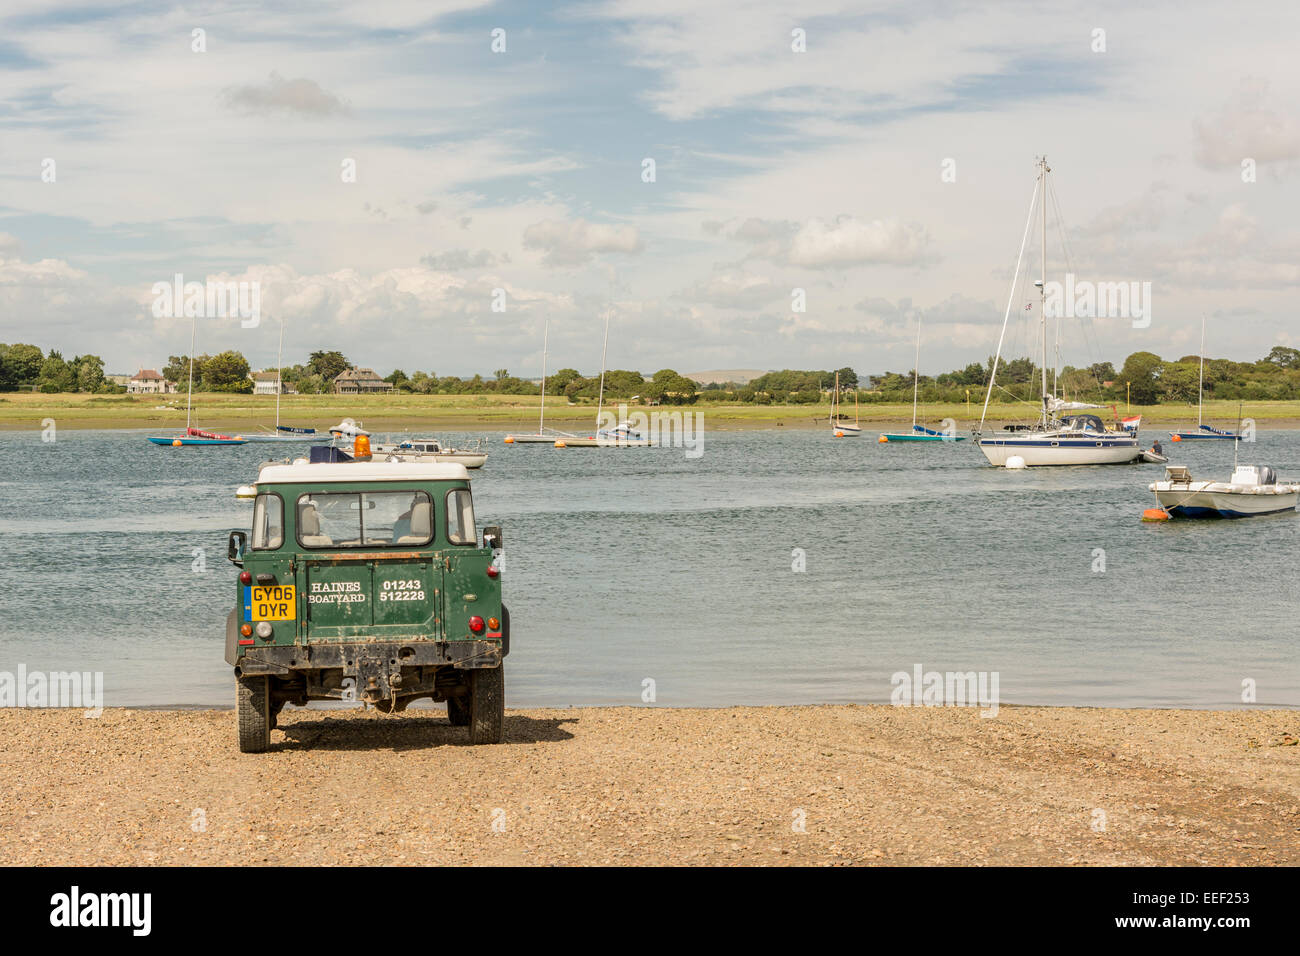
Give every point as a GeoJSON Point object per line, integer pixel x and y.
{"type": "Point", "coordinates": [830, 785]}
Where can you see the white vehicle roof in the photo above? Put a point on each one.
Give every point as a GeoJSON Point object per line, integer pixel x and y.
{"type": "Point", "coordinates": [303, 471]}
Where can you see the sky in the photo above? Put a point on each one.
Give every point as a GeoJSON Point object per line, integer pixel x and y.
{"type": "Point", "coordinates": [878, 157]}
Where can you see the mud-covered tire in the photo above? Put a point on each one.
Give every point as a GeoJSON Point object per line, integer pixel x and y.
{"type": "Point", "coordinates": [458, 711]}
{"type": "Point", "coordinates": [253, 713]}
{"type": "Point", "coordinates": [487, 705]}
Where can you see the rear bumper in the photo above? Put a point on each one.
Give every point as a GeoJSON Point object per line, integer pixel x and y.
{"type": "Point", "coordinates": [284, 660]}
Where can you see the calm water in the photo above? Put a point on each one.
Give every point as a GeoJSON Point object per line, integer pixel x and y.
{"type": "Point", "coordinates": [627, 564]}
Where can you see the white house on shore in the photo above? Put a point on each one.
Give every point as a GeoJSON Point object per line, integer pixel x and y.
{"type": "Point", "coordinates": [264, 384]}
{"type": "Point", "coordinates": [148, 381]}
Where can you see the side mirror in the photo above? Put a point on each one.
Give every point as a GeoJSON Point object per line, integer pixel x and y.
{"type": "Point", "coordinates": [492, 537]}
{"type": "Point", "coordinates": [236, 547]}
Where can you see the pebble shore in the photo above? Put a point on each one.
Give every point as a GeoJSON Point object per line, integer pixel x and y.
{"type": "Point", "coordinates": [829, 785]}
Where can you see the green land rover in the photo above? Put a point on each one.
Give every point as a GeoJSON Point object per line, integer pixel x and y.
{"type": "Point", "coordinates": [366, 582]}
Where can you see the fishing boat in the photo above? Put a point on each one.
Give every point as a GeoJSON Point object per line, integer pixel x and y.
{"type": "Point", "coordinates": [428, 449]}
{"type": "Point", "coordinates": [194, 436]}
{"type": "Point", "coordinates": [1252, 490]}
{"type": "Point", "coordinates": [286, 433]}
{"type": "Point", "coordinates": [918, 432]}
{"type": "Point", "coordinates": [1051, 440]}
{"type": "Point", "coordinates": [840, 427]}
{"type": "Point", "coordinates": [1202, 431]}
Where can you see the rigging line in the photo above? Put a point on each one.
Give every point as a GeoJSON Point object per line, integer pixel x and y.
{"type": "Point", "coordinates": [993, 374]}
{"type": "Point", "coordinates": [1086, 326]}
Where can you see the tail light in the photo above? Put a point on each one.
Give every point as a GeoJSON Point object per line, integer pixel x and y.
{"type": "Point", "coordinates": [493, 570]}
{"type": "Point", "coordinates": [476, 624]}
{"type": "Point", "coordinates": [493, 623]}
{"type": "Point", "coordinates": [246, 630]}
{"type": "Point", "coordinates": [245, 577]}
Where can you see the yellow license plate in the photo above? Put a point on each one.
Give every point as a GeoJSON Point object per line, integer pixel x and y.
{"type": "Point", "coordinates": [275, 603]}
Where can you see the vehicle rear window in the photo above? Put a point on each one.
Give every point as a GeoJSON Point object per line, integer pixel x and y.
{"type": "Point", "coordinates": [373, 519]}
{"type": "Point", "coordinates": [268, 522]}
{"type": "Point", "coordinates": [460, 517]}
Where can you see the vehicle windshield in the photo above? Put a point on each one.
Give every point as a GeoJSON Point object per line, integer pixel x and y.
{"type": "Point", "coordinates": [365, 519]}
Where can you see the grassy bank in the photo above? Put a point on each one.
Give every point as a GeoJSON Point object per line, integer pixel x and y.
{"type": "Point", "coordinates": [234, 413]}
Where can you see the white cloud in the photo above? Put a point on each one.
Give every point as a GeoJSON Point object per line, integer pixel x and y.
{"type": "Point", "coordinates": [278, 95]}
{"type": "Point", "coordinates": [573, 242]}
{"type": "Point", "coordinates": [1247, 128]}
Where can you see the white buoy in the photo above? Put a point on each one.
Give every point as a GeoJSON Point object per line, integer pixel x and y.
{"type": "Point", "coordinates": [1016, 462]}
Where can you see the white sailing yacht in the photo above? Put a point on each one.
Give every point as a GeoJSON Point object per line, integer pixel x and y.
{"type": "Point", "coordinates": [1054, 439]}
{"type": "Point", "coordinates": [542, 435]}
{"type": "Point", "coordinates": [621, 435]}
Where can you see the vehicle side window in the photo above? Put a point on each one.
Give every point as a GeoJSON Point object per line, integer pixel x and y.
{"type": "Point", "coordinates": [268, 522]}
{"type": "Point", "coordinates": [460, 517]}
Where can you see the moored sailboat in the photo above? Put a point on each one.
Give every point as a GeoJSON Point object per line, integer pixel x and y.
{"type": "Point", "coordinates": [1203, 431]}
{"type": "Point", "coordinates": [840, 427]}
{"type": "Point", "coordinates": [918, 432]}
{"type": "Point", "coordinates": [1051, 440]}
{"type": "Point", "coordinates": [193, 436]}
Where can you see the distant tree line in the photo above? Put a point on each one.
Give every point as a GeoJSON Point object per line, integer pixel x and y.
{"type": "Point", "coordinates": [1144, 376]}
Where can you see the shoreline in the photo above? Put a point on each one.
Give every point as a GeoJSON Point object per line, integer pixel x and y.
{"type": "Point", "coordinates": [830, 785]}
{"type": "Point", "coordinates": [26, 411]}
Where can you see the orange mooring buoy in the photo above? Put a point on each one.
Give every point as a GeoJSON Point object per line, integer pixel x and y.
{"type": "Point", "coordinates": [1175, 437]}
{"type": "Point", "coordinates": [882, 438]}
{"type": "Point", "coordinates": [510, 440]}
{"type": "Point", "coordinates": [839, 434]}
{"type": "Point", "coordinates": [561, 444]}
{"type": "Point", "coordinates": [1156, 514]}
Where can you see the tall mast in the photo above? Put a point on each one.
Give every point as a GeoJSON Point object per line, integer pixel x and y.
{"type": "Point", "coordinates": [541, 416]}
{"type": "Point", "coordinates": [1200, 381]}
{"type": "Point", "coordinates": [189, 399]}
{"type": "Point", "coordinates": [1042, 305]}
{"type": "Point", "coordinates": [279, 359]}
{"type": "Point", "coordinates": [600, 401]}
{"type": "Point", "coordinates": [916, 373]}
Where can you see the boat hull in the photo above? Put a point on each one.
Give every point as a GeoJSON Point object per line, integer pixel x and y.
{"type": "Point", "coordinates": [534, 439]}
{"type": "Point", "coordinates": [1061, 451]}
{"type": "Point", "coordinates": [602, 442]}
{"type": "Point", "coordinates": [469, 460]}
{"type": "Point", "coordinates": [1203, 436]}
{"type": "Point", "coordinates": [197, 441]}
{"type": "Point", "coordinates": [906, 437]}
{"type": "Point", "coordinates": [845, 431]}
{"type": "Point", "coordinates": [1203, 502]}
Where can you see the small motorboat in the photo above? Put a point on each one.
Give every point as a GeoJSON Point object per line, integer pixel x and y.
{"type": "Point", "coordinates": [348, 430]}
{"type": "Point", "coordinates": [427, 449]}
{"type": "Point", "coordinates": [1253, 490]}
{"type": "Point", "coordinates": [1154, 457]}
